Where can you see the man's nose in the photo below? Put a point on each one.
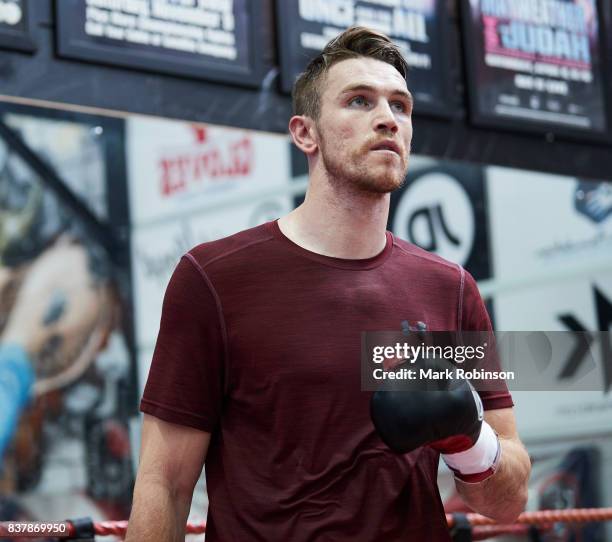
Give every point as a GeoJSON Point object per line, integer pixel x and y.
{"type": "Point", "coordinates": [385, 119]}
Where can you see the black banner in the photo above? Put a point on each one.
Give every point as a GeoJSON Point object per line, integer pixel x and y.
{"type": "Point", "coordinates": [15, 26]}
{"type": "Point", "coordinates": [214, 40]}
{"type": "Point", "coordinates": [442, 209]}
{"type": "Point", "coordinates": [417, 26]}
{"type": "Point", "coordinates": [536, 64]}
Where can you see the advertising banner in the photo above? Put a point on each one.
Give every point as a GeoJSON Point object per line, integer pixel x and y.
{"type": "Point", "coordinates": [548, 226]}
{"type": "Point", "coordinates": [15, 26]}
{"type": "Point", "coordinates": [216, 41]}
{"type": "Point", "coordinates": [178, 167]}
{"type": "Point", "coordinates": [536, 63]}
{"type": "Point", "coordinates": [417, 26]}
{"type": "Point", "coordinates": [442, 209]}
{"type": "Point", "coordinates": [551, 239]}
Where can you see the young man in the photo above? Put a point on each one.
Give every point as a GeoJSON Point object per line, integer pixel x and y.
{"type": "Point", "coordinates": [257, 363]}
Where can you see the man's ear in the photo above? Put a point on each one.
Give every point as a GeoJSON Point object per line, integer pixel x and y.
{"type": "Point", "coordinates": [304, 134]}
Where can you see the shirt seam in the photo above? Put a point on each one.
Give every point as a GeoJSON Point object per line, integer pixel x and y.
{"type": "Point", "coordinates": [344, 264]}
{"type": "Point", "coordinates": [349, 266]}
{"type": "Point", "coordinates": [220, 315]}
{"type": "Point", "coordinates": [407, 253]}
{"type": "Point", "coordinates": [461, 292]}
{"type": "Point", "coordinates": [227, 254]}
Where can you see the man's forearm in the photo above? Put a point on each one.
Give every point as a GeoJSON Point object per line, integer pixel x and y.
{"type": "Point", "coordinates": [502, 496]}
{"type": "Point", "coordinates": [157, 514]}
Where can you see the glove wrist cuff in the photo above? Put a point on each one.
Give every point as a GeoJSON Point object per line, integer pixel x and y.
{"type": "Point", "coordinates": [478, 462]}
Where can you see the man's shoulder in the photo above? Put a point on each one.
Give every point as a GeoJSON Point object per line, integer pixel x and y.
{"type": "Point", "coordinates": [219, 250]}
{"type": "Point", "coordinates": [423, 261]}
{"type": "Point", "coordinates": [423, 258]}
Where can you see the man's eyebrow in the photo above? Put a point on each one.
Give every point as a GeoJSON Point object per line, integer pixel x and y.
{"type": "Point", "coordinates": [367, 88]}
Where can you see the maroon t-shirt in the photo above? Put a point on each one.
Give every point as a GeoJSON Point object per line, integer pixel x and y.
{"type": "Point", "coordinates": [259, 344]}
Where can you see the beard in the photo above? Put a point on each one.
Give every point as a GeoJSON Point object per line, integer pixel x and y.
{"type": "Point", "coordinates": [355, 170]}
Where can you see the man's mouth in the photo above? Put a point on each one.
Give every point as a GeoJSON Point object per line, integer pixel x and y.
{"type": "Point", "coordinates": [387, 146]}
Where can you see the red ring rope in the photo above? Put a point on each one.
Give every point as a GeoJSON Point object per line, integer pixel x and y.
{"type": "Point", "coordinates": [486, 527]}
{"type": "Point", "coordinates": [578, 515]}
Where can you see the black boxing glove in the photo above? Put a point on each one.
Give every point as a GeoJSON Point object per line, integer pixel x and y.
{"type": "Point", "coordinates": [448, 419]}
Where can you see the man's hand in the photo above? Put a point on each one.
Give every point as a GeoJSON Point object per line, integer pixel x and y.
{"type": "Point", "coordinates": [503, 496]}
{"type": "Point", "coordinates": [448, 419]}
{"type": "Point", "coordinates": [171, 461]}
{"type": "Point", "coordinates": [491, 473]}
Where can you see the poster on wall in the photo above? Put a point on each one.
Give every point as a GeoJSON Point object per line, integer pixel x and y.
{"type": "Point", "coordinates": [551, 239]}
{"type": "Point", "coordinates": [565, 226]}
{"type": "Point", "coordinates": [16, 26]}
{"type": "Point", "coordinates": [417, 26]}
{"type": "Point", "coordinates": [179, 167]}
{"type": "Point", "coordinates": [65, 447]}
{"type": "Point", "coordinates": [442, 209]}
{"type": "Point", "coordinates": [215, 41]}
{"type": "Point", "coordinates": [536, 65]}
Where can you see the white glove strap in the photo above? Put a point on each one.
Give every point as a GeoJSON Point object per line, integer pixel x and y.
{"type": "Point", "coordinates": [480, 457]}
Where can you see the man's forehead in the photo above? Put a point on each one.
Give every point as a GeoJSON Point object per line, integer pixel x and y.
{"type": "Point", "coordinates": [363, 71]}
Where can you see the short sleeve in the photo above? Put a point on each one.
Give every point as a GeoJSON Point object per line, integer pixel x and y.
{"type": "Point", "coordinates": [474, 317]}
{"type": "Point", "coordinates": [186, 378]}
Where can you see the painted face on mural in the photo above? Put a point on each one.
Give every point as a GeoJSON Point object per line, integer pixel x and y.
{"type": "Point", "coordinates": [365, 125]}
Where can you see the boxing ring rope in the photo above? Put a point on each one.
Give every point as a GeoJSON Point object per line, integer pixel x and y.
{"type": "Point", "coordinates": [574, 515]}
{"type": "Point", "coordinates": [480, 527]}
{"type": "Point", "coordinates": [468, 527]}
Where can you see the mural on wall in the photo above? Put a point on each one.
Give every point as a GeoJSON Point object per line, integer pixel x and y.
{"type": "Point", "coordinates": [66, 388]}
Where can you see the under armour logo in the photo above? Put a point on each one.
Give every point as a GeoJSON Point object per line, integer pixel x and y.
{"type": "Point", "coordinates": [416, 327]}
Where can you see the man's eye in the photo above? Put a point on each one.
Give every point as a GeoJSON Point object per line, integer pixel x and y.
{"type": "Point", "coordinates": [358, 101]}
{"type": "Point", "coordinates": [400, 107]}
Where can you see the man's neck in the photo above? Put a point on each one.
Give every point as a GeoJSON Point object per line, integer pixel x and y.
{"type": "Point", "coordinates": [338, 221]}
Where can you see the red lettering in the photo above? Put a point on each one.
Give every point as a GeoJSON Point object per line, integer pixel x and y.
{"type": "Point", "coordinates": [165, 177]}
{"type": "Point", "coordinates": [214, 163]}
{"type": "Point", "coordinates": [241, 153]}
{"type": "Point", "coordinates": [491, 36]}
{"type": "Point", "coordinates": [176, 173]}
{"type": "Point", "coordinates": [200, 133]}
{"type": "Point", "coordinates": [172, 176]}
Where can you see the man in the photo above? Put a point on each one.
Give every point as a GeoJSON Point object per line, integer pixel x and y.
{"type": "Point", "coordinates": [256, 367]}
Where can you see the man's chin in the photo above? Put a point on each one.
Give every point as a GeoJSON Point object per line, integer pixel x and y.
{"type": "Point", "coordinates": [381, 185]}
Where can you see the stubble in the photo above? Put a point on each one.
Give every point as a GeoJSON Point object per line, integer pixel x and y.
{"type": "Point", "coordinates": [353, 171]}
